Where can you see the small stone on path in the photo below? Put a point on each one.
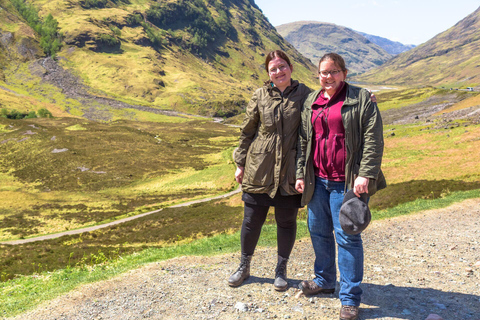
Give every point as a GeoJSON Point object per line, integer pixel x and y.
{"type": "Point", "coordinates": [299, 294]}
{"type": "Point", "coordinates": [241, 306]}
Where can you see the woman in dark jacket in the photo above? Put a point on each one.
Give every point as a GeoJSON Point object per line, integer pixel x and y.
{"type": "Point", "coordinates": [340, 148]}
{"type": "Point", "coordinates": [266, 165]}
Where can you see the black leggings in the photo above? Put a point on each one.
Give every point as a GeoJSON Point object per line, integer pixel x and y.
{"type": "Point", "coordinates": [253, 219]}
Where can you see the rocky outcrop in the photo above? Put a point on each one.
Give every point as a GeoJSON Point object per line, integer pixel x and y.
{"type": "Point", "coordinates": [95, 106]}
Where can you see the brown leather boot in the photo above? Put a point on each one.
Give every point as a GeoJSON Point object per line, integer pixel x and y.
{"type": "Point", "coordinates": [242, 273]}
{"type": "Point", "coordinates": [349, 313]}
{"type": "Point", "coordinates": [309, 287]}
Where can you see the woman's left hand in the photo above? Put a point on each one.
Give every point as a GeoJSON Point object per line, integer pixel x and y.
{"type": "Point", "coordinates": [372, 96]}
{"type": "Point", "coordinates": [360, 186]}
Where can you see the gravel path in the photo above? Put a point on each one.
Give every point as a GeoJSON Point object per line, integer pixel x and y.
{"type": "Point", "coordinates": [415, 266]}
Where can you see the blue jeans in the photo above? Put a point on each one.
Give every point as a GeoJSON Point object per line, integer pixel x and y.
{"type": "Point", "coordinates": [323, 221]}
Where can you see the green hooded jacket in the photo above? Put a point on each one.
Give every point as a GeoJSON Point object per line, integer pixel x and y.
{"type": "Point", "coordinates": [363, 142]}
{"type": "Point", "coordinates": [268, 140]}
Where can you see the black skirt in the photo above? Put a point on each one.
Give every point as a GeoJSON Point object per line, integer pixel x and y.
{"type": "Point", "coordinates": [281, 201]}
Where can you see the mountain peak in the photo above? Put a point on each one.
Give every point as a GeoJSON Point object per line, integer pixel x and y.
{"type": "Point", "coordinates": [450, 58]}
{"type": "Point", "coordinates": [314, 38]}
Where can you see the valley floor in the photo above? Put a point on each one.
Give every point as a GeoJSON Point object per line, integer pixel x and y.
{"type": "Point", "coordinates": [417, 265]}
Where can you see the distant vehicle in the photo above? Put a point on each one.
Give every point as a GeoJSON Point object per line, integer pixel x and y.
{"type": "Point", "coordinates": [469, 89]}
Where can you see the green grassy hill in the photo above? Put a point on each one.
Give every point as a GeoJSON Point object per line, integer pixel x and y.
{"type": "Point", "coordinates": [450, 59]}
{"type": "Point", "coordinates": [313, 39]}
{"type": "Point", "coordinates": [203, 57]}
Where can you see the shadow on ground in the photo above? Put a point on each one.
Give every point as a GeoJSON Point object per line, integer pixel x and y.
{"type": "Point", "coordinates": [386, 302]}
{"type": "Point", "coordinates": [417, 303]}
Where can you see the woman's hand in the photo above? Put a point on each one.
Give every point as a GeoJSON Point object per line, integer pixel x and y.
{"type": "Point", "coordinates": [239, 174]}
{"type": "Point", "coordinates": [360, 186]}
{"type": "Point", "coordinates": [300, 185]}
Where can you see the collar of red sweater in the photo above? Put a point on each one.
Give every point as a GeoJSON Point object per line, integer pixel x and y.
{"type": "Point", "coordinates": [322, 100]}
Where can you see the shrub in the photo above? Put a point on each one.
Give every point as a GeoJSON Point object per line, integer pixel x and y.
{"type": "Point", "coordinates": [44, 113]}
{"type": "Point", "coordinates": [191, 16]}
{"type": "Point", "coordinates": [115, 31]}
{"type": "Point", "coordinates": [15, 114]}
{"type": "Point", "coordinates": [134, 20]}
{"type": "Point", "coordinates": [31, 115]}
{"type": "Point", "coordinates": [108, 40]}
{"type": "Point", "coordinates": [156, 36]}
{"type": "Point", "coordinates": [50, 38]}
{"type": "Point", "coordinates": [88, 4]}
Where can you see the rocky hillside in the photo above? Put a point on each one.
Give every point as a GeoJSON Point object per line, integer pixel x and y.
{"type": "Point", "coordinates": [201, 56]}
{"type": "Point", "coordinates": [313, 39]}
{"type": "Point", "coordinates": [452, 58]}
{"type": "Point", "coordinates": [392, 47]}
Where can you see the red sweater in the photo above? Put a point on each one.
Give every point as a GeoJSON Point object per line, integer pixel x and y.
{"type": "Point", "coordinates": [329, 152]}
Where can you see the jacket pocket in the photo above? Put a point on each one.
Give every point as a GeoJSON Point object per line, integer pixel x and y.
{"type": "Point", "coordinates": [259, 169]}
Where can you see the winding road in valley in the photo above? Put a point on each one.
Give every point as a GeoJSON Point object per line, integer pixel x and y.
{"type": "Point", "coordinates": [109, 224]}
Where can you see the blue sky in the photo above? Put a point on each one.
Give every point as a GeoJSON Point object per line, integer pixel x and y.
{"type": "Point", "coordinates": [406, 21]}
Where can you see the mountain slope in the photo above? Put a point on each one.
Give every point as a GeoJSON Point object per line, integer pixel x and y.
{"type": "Point", "coordinates": [197, 56]}
{"type": "Point", "coordinates": [313, 39]}
{"type": "Point", "coordinates": [452, 58]}
{"type": "Point", "coordinates": [392, 47]}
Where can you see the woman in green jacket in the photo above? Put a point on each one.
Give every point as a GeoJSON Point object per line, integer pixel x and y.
{"type": "Point", "coordinates": [266, 165]}
{"type": "Point", "coordinates": [340, 148]}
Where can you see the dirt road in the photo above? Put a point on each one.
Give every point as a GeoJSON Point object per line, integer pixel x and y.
{"type": "Point", "coordinates": [417, 265]}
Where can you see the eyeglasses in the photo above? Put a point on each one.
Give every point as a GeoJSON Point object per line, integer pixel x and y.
{"type": "Point", "coordinates": [325, 74]}
{"type": "Point", "coordinates": [279, 69]}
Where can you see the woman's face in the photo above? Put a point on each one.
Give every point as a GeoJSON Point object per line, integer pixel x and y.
{"type": "Point", "coordinates": [280, 73]}
{"type": "Point", "coordinates": [331, 76]}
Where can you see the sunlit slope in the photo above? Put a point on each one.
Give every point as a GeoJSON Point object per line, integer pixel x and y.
{"type": "Point", "coordinates": [452, 58]}
{"type": "Point", "coordinates": [197, 56]}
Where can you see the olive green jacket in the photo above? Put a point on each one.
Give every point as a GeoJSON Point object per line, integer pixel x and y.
{"type": "Point", "coordinates": [363, 142]}
{"type": "Point", "coordinates": [268, 140]}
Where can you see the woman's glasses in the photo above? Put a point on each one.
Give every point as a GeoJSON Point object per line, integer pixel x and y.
{"type": "Point", "coordinates": [279, 69]}
{"type": "Point", "coordinates": [325, 74]}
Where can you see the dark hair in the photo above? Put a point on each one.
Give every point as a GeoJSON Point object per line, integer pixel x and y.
{"type": "Point", "coordinates": [276, 54]}
{"type": "Point", "coordinates": [336, 58]}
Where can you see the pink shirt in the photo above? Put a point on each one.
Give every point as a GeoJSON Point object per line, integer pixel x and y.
{"type": "Point", "coordinates": [329, 152]}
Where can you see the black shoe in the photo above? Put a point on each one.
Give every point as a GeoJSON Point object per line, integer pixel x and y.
{"type": "Point", "coordinates": [281, 283]}
{"type": "Point", "coordinates": [309, 287]}
{"type": "Point", "coordinates": [242, 273]}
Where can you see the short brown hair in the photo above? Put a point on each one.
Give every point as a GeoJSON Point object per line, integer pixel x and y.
{"type": "Point", "coordinates": [276, 54]}
{"type": "Point", "coordinates": [336, 58]}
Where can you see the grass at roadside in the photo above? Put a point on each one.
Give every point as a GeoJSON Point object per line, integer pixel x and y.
{"type": "Point", "coordinates": [426, 161]}
{"type": "Point", "coordinates": [26, 292]}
